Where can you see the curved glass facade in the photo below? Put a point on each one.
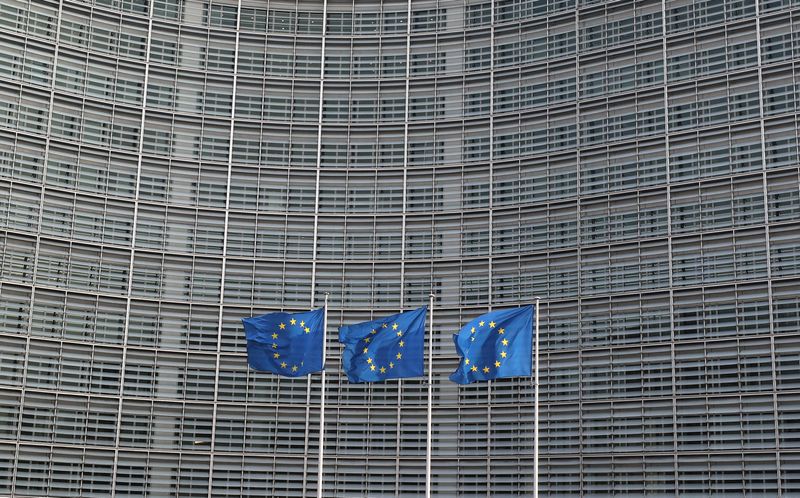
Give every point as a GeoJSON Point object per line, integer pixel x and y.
{"type": "Point", "coordinates": [168, 167]}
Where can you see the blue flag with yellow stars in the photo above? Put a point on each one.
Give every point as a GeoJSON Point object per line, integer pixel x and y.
{"type": "Point", "coordinates": [287, 344]}
{"type": "Point", "coordinates": [387, 348]}
{"type": "Point", "coordinates": [495, 345]}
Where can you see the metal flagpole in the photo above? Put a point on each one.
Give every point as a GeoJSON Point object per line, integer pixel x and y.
{"type": "Point", "coordinates": [322, 399]}
{"type": "Point", "coordinates": [430, 404]}
{"type": "Point", "coordinates": [536, 402]}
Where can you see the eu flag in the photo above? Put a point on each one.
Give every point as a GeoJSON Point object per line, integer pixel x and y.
{"type": "Point", "coordinates": [495, 345]}
{"type": "Point", "coordinates": [288, 344]}
{"type": "Point", "coordinates": [386, 348]}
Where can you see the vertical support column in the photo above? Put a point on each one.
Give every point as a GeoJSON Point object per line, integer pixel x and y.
{"type": "Point", "coordinates": [403, 230]}
{"type": "Point", "coordinates": [578, 222]}
{"type": "Point", "coordinates": [490, 260]}
{"type": "Point", "coordinates": [767, 246]}
{"type": "Point", "coordinates": [665, 71]}
{"type": "Point", "coordinates": [35, 255]}
{"type": "Point", "coordinates": [126, 319]}
{"type": "Point", "coordinates": [224, 249]}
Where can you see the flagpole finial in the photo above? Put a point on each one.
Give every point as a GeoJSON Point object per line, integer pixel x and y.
{"type": "Point", "coordinates": [537, 298]}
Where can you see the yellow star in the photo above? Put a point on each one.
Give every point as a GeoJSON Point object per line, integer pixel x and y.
{"type": "Point", "coordinates": [303, 323]}
{"type": "Point", "coordinates": [282, 326]}
{"type": "Point", "coordinates": [372, 367]}
{"type": "Point", "coordinates": [391, 365]}
{"type": "Point", "coordinates": [399, 333]}
{"type": "Point", "coordinates": [367, 339]}
{"type": "Point", "coordinates": [274, 346]}
{"type": "Point", "coordinates": [308, 330]}
{"type": "Point", "coordinates": [294, 368]}
{"type": "Point", "coordinates": [402, 344]}
{"type": "Point", "coordinates": [466, 361]}
{"type": "Point", "coordinates": [486, 370]}
{"type": "Point", "coordinates": [384, 325]}
{"type": "Point", "coordinates": [505, 342]}
{"type": "Point", "coordinates": [283, 364]}
{"type": "Point", "coordinates": [474, 368]}
{"type": "Point", "coordinates": [394, 326]}
{"type": "Point", "coordinates": [472, 330]}
{"type": "Point", "coordinates": [501, 331]}
{"type": "Point", "coordinates": [369, 360]}
{"type": "Point", "coordinates": [274, 336]}
{"type": "Point", "coordinates": [276, 355]}
{"type": "Point", "coordinates": [366, 350]}
{"type": "Point", "coordinates": [497, 364]}
{"type": "Point", "coordinates": [374, 331]}
{"type": "Point", "coordinates": [399, 356]}
{"type": "Point", "coordinates": [292, 321]}
{"type": "Point", "coordinates": [503, 354]}
{"type": "Point", "coordinates": [481, 323]}
{"type": "Point", "coordinates": [491, 325]}
{"type": "Point", "coordinates": [383, 370]}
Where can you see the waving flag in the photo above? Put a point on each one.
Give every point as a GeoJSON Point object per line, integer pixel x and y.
{"type": "Point", "coordinates": [495, 345]}
{"type": "Point", "coordinates": [288, 344]}
{"type": "Point", "coordinates": [386, 348]}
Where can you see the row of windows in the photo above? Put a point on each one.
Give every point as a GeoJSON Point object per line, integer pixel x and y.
{"type": "Point", "coordinates": [729, 366]}
{"type": "Point", "coordinates": [719, 257]}
{"type": "Point", "coordinates": [712, 154]}
{"type": "Point", "coordinates": [184, 93]}
{"type": "Point", "coordinates": [170, 474]}
{"type": "Point", "coordinates": [700, 368]}
{"type": "Point", "coordinates": [720, 423]}
{"type": "Point", "coordinates": [694, 208]}
{"type": "Point", "coordinates": [721, 49]}
{"type": "Point", "coordinates": [452, 190]}
{"type": "Point", "coordinates": [392, 17]}
{"type": "Point", "coordinates": [663, 476]}
{"type": "Point", "coordinates": [699, 313]}
{"type": "Point", "coordinates": [426, 101]}
{"type": "Point", "coordinates": [545, 133]}
{"type": "Point", "coordinates": [152, 474]}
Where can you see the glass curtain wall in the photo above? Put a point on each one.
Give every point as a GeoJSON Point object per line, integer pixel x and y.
{"type": "Point", "coordinates": [168, 167]}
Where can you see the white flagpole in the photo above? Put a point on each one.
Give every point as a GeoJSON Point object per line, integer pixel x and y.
{"type": "Point", "coordinates": [430, 404]}
{"type": "Point", "coordinates": [322, 399]}
{"type": "Point", "coordinates": [536, 403]}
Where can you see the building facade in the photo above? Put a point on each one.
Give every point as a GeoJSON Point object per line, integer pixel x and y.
{"type": "Point", "coordinates": [168, 167]}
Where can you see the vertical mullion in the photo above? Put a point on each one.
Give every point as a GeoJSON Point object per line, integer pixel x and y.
{"type": "Point", "coordinates": [489, 260]}
{"type": "Point", "coordinates": [762, 132]}
{"type": "Point", "coordinates": [407, 91]}
{"type": "Point", "coordinates": [668, 175]}
{"type": "Point", "coordinates": [136, 201]}
{"type": "Point", "coordinates": [212, 444]}
{"type": "Point", "coordinates": [35, 256]}
{"type": "Point", "coordinates": [578, 251]}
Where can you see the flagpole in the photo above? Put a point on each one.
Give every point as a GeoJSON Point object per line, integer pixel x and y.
{"type": "Point", "coordinates": [536, 403]}
{"type": "Point", "coordinates": [430, 404]}
{"type": "Point", "coordinates": [322, 399]}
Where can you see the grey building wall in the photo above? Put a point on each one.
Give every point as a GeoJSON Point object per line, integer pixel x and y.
{"type": "Point", "coordinates": [168, 167]}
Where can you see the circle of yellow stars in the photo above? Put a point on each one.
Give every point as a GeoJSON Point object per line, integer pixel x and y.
{"type": "Point", "coordinates": [381, 369]}
{"type": "Point", "coordinates": [282, 327]}
{"type": "Point", "coordinates": [503, 353]}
